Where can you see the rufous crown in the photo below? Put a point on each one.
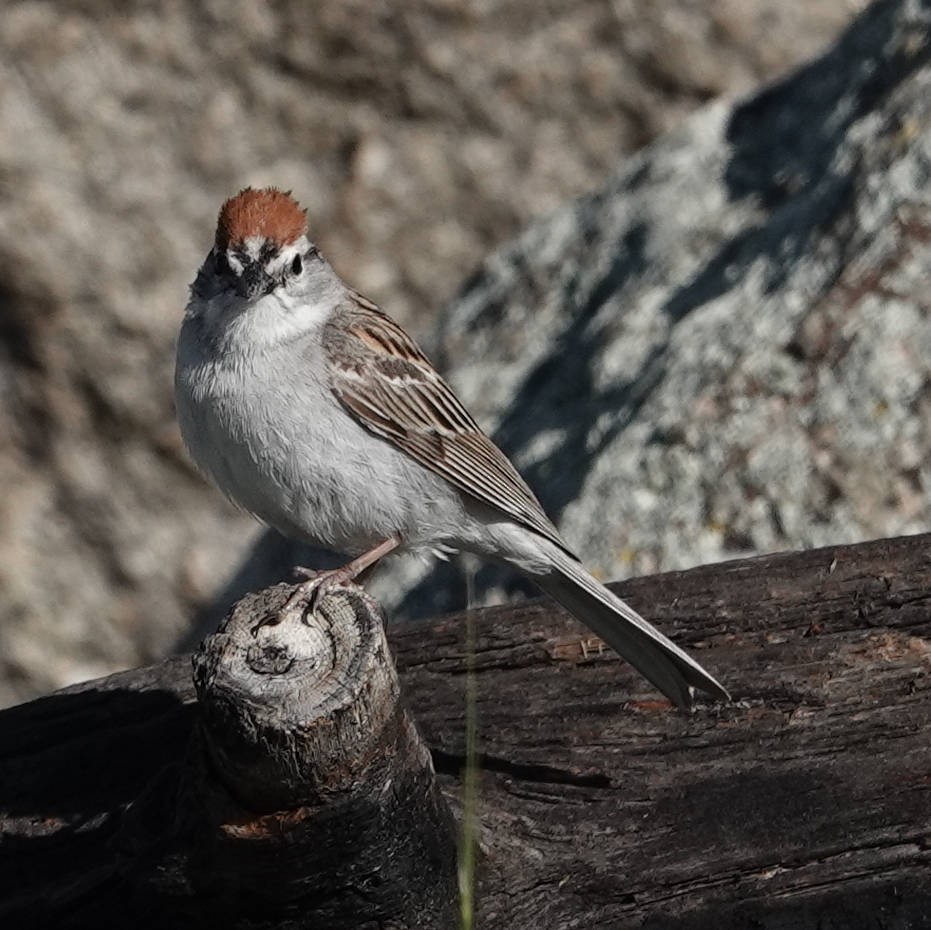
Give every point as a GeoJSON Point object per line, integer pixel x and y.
{"type": "Point", "coordinates": [268, 213]}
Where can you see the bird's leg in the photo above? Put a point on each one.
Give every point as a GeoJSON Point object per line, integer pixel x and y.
{"type": "Point", "coordinates": [333, 577]}
{"type": "Point", "coordinates": [318, 583]}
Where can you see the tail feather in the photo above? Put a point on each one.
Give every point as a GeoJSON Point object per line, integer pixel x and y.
{"type": "Point", "coordinates": [658, 659]}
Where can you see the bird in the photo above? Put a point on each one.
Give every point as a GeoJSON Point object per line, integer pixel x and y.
{"type": "Point", "coordinates": [313, 410]}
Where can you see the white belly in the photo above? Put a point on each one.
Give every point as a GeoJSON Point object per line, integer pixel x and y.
{"type": "Point", "coordinates": [280, 446]}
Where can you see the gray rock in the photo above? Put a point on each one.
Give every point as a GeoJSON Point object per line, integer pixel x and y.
{"type": "Point", "coordinates": [726, 349]}
{"type": "Point", "coordinates": [420, 139]}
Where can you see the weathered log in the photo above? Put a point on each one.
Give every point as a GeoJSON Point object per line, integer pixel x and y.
{"type": "Point", "coordinates": [303, 720]}
{"type": "Point", "coordinates": [805, 803]}
{"type": "Point", "coordinates": [305, 797]}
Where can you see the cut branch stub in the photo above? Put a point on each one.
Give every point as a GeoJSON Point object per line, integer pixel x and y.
{"type": "Point", "coordinates": [293, 711]}
{"type": "Point", "coordinates": [317, 795]}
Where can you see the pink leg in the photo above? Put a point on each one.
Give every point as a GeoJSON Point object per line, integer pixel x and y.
{"type": "Point", "coordinates": [334, 577]}
{"type": "Point", "coordinates": [308, 593]}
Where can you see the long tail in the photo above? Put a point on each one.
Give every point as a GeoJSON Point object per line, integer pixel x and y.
{"type": "Point", "coordinates": [659, 660]}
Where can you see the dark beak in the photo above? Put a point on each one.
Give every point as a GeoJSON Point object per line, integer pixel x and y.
{"type": "Point", "coordinates": [253, 282]}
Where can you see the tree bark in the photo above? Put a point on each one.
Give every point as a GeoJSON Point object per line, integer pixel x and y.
{"type": "Point", "coordinates": [305, 797]}
{"type": "Point", "coordinates": [804, 803]}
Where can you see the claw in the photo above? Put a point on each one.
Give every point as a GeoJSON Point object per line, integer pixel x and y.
{"type": "Point", "coordinates": [308, 593]}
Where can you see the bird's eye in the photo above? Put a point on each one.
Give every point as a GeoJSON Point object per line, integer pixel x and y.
{"type": "Point", "coordinates": [297, 265]}
{"type": "Point", "coordinates": [221, 263]}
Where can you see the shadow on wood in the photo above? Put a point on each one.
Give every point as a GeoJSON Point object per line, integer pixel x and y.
{"type": "Point", "coordinates": [804, 804]}
{"type": "Point", "coordinates": [304, 798]}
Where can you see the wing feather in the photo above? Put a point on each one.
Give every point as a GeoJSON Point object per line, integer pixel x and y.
{"type": "Point", "coordinates": [382, 378]}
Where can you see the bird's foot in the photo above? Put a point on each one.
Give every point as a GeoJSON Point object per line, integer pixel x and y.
{"type": "Point", "coordinates": [308, 593]}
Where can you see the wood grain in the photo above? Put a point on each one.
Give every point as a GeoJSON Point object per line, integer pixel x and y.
{"type": "Point", "coordinates": [804, 803]}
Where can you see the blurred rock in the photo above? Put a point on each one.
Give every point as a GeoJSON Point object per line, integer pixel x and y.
{"type": "Point", "coordinates": [420, 134]}
{"type": "Point", "coordinates": [726, 349]}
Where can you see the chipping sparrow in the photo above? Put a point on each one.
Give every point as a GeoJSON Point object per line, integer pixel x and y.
{"type": "Point", "coordinates": [317, 413]}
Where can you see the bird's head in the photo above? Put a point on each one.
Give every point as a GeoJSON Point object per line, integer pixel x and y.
{"type": "Point", "coordinates": [261, 244]}
{"type": "Point", "coordinates": [263, 282]}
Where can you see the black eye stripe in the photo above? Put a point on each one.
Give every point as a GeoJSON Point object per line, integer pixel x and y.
{"type": "Point", "coordinates": [267, 254]}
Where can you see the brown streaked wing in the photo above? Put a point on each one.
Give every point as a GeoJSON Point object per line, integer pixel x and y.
{"type": "Point", "coordinates": [382, 378]}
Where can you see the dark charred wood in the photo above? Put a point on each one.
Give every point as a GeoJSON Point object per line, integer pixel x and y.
{"type": "Point", "coordinates": [805, 803]}
{"type": "Point", "coordinates": [303, 798]}
{"type": "Point", "coordinates": [302, 721]}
